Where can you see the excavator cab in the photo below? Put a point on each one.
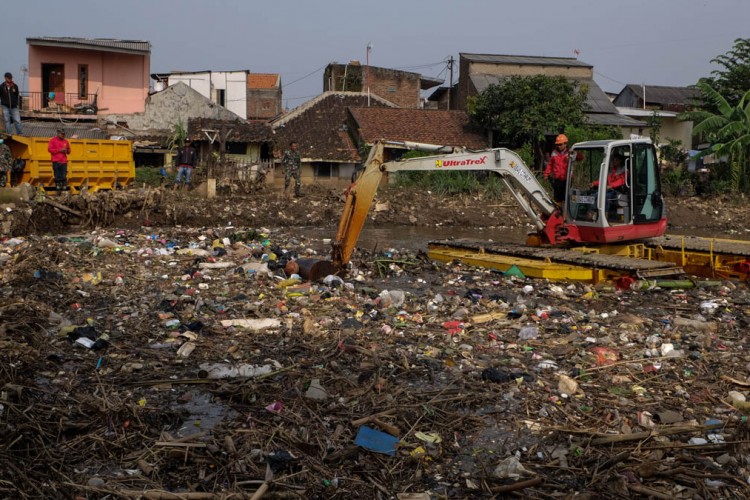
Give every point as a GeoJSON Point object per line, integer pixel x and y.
{"type": "Point", "coordinates": [614, 192]}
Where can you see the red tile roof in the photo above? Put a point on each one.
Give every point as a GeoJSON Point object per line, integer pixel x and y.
{"type": "Point", "coordinates": [446, 128]}
{"type": "Point", "coordinates": [262, 80]}
{"type": "Point", "coordinates": [320, 127]}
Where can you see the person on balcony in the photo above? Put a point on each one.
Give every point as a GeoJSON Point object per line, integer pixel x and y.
{"type": "Point", "coordinates": [10, 100]}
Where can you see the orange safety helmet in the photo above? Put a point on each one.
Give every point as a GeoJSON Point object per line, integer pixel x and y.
{"type": "Point", "coordinates": [561, 139]}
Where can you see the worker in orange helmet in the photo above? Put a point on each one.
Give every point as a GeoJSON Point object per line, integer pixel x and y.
{"type": "Point", "coordinates": [557, 168]}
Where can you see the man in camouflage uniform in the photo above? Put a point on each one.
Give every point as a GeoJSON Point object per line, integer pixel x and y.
{"type": "Point", "coordinates": [6, 163]}
{"type": "Point", "coordinates": [291, 163]}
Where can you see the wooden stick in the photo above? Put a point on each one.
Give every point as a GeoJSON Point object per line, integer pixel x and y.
{"type": "Point", "coordinates": [390, 429]}
{"type": "Point", "coordinates": [62, 207]}
{"type": "Point", "coordinates": [735, 381]}
{"type": "Point", "coordinates": [365, 420]}
{"type": "Point", "coordinates": [260, 492]}
{"type": "Point", "coordinates": [507, 488]}
{"type": "Point", "coordinates": [649, 491]}
{"type": "Point", "coordinates": [166, 495]}
{"type": "Point", "coordinates": [177, 444]}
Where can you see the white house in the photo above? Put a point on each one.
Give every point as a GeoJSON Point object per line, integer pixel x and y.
{"type": "Point", "coordinates": [225, 88]}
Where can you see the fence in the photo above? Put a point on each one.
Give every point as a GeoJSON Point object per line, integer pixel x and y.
{"type": "Point", "coordinates": [243, 169]}
{"type": "Point", "coordinates": [69, 103]}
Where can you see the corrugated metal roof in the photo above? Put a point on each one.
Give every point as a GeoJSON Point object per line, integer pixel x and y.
{"type": "Point", "coordinates": [105, 44]}
{"type": "Point", "coordinates": [524, 60]}
{"type": "Point", "coordinates": [262, 80]}
{"type": "Point", "coordinates": [656, 94]}
{"type": "Point", "coordinates": [596, 98]}
{"type": "Point", "coordinates": [49, 129]}
{"type": "Point", "coordinates": [613, 119]}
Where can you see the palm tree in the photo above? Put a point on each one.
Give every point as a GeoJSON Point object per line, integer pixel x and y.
{"type": "Point", "coordinates": [728, 130]}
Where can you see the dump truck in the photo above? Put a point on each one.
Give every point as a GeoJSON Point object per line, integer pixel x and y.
{"type": "Point", "coordinates": [94, 164]}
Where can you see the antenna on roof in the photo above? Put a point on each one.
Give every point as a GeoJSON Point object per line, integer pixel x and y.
{"type": "Point", "coordinates": [576, 53]}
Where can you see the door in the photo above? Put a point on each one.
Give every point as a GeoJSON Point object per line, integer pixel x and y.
{"type": "Point", "coordinates": [53, 81]}
{"type": "Point", "coordinates": [647, 198]}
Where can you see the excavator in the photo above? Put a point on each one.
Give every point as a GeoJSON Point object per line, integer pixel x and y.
{"type": "Point", "coordinates": [597, 233]}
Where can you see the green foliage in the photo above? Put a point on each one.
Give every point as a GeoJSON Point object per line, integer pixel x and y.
{"type": "Point", "coordinates": [592, 133]}
{"type": "Point", "coordinates": [673, 152]}
{"type": "Point", "coordinates": [179, 134]}
{"type": "Point", "coordinates": [452, 183]}
{"type": "Point", "coordinates": [733, 80]}
{"type": "Point", "coordinates": [150, 175]}
{"type": "Point", "coordinates": [526, 152]}
{"type": "Point", "coordinates": [677, 182]}
{"type": "Point", "coordinates": [653, 122]}
{"type": "Point", "coordinates": [727, 129]}
{"type": "Point", "coordinates": [522, 109]}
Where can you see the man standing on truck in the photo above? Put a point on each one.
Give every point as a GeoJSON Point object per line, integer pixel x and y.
{"type": "Point", "coordinates": [184, 161]}
{"type": "Point", "coordinates": [59, 148]}
{"type": "Point", "coordinates": [10, 100]}
{"type": "Point", "coordinates": [557, 168]}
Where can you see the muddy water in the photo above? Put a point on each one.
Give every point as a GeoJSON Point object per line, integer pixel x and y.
{"type": "Point", "coordinates": [417, 237]}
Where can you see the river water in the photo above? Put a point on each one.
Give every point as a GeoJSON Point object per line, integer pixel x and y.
{"type": "Point", "coordinates": [417, 237]}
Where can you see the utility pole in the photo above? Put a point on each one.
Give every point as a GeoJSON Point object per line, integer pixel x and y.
{"type": "Point", "coordinates": [450, 87]}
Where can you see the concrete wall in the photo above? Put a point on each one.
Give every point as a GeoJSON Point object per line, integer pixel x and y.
{"type": "Point", "coordinates": [233, 83]}
{"type": "Point", "coordinates": [164, 108]}
{"type": "Point", "coordinates": [122, 80]}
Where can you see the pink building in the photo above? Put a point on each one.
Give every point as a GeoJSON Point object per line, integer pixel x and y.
{"type": "Point", "coordinates": [87, 76]}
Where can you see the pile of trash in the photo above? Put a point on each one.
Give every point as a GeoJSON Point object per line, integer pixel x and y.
{"type": "Point", "coordinates": [201, 363]}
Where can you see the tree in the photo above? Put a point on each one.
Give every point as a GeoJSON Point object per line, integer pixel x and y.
{"type": "Point", "coordinates": [522, 109]}
{"type": "Point", "coordinates": [733, 81]}
{"type": "Point", "coordinates": [727, 129]}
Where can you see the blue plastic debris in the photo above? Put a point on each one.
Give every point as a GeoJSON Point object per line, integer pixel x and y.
{"type": "Point", "coordinates": [374, 440]}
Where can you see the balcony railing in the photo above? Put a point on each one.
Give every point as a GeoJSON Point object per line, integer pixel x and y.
{"type": "Point", "coordinates": [67, 104]}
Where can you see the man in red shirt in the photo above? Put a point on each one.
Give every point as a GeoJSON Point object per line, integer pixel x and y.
{"type": "Point", "coordinates": [59, 148]}
{"type": "Point", "coordinates": [557, 168]}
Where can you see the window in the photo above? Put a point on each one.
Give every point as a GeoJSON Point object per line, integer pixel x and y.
{"type": "Point", "coordinates": [83, 81]}
{"type": "Point", "coordinates": [221, 97]}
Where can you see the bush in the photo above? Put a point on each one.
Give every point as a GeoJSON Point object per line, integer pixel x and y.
{"type": "Point", "coordinates": [452, 183]}
{"type": "Point", "coordinates": [151, 176]}
{"type": "Point", "coordinates": [677, 182]}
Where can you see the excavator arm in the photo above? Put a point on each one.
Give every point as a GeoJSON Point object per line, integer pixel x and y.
{"type": "Point", "coordinates": [521, 182]}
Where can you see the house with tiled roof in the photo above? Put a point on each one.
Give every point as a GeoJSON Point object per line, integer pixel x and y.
{"type": "Point", "coordinates": [246, 145]}
{"type": "Point", "coordinates": [644, 101]}
{"type": "Point", "coordinates": [85, 77]}
{"type": "Point", "coordinates": [441, 127]}
{"type": "Point", "coordinates": [321, 129]}
{"type": "Point", "coordinates": [263, 96]}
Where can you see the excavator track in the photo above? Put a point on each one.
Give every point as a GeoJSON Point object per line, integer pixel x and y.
{"type": "Point", "coordinates": [664, 256]}
{"type": "Point", "coordinates": [581, 264]}
{"type": "Point", "coordinates": [700, 244]}
{"type": "Point", "coordinates": [708, 257]}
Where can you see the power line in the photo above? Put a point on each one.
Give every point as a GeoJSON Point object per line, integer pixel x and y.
{"type": "Point", "coordinates": [307, 75]}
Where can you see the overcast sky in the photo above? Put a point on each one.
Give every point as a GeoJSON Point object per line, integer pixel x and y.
{"type": "Point", "coordinates": [657, 42]}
